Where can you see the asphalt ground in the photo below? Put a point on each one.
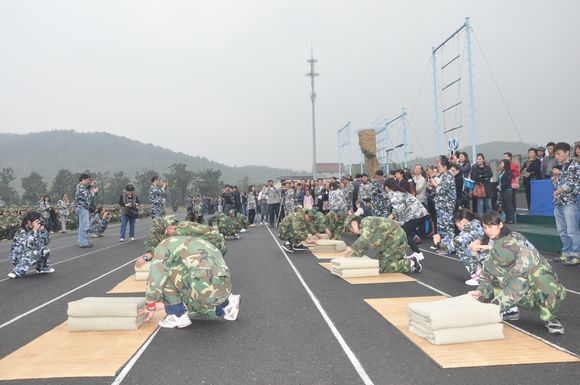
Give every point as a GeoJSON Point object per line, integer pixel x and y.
{"type": "Point", "coordinates": [297, 325]}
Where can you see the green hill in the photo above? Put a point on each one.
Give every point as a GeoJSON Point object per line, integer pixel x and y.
{"type": "Point", "coordinates": [48, 152]}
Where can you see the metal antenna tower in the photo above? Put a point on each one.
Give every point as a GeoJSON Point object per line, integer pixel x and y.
{"type": "Point", "coordinates": [312, 74]}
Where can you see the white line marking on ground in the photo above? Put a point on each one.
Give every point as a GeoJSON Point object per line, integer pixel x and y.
{"type": "Point", "coordinates": [64, 295]}
{"type": "Point", "coordinates": [457, 259]}
{"type": "Point", "coordinates": [349, 353]}
{"type": "Point", "coordinates": [134, 359]}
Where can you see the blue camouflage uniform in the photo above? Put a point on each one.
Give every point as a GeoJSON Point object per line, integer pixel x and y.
{"type": "Point", "coordinates": [566, 211]}
{"type": "Point", "coordinates": [445, 197]}
{"type": "Point", "coordinates": [29, 248]}
{"type": "Point", "coordinates": [98, 225]}
{"type": "Point", "coordinates": [472, 231]}
{"type": "Point", "coordinates": [156, 201]}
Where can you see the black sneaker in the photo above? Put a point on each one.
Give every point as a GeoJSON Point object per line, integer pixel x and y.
{"type": "Point", "coordinates": [86, 246]}
{"type": "Point", "coordinates": [288, 247]}
{"type": "Point", "coordinates": [299, 246]}
{"type": "Point", "coordinates": [554, 326]}
{"type": "Point", "coordinates": [512, 314]}
{"type": "Point", "coordinates": [416, 266]}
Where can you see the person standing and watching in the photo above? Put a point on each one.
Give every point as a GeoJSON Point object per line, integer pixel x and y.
{"type": "Point", "coordinates": [129, 203]}
{"type": "Point", "coordinates": [85, 192]}
{"type": "Point", "coordinates": [567, 186]}
{"type": "Point", "coordinates": [45, 209]}
{"type": "Point", "coordinates": [156, 200]}
{"type": "Point", "coordinates": [63, 206]}
{"type": "Point", "coordinates": [549, 161]}
{"type": "Point", "coordinates": [273, 199]}
{"type": "Point", "coordinates": [481, 174]}
{"type": "Point", "coordinates": [531, 170]}
{"type": "Point", "coordinates": [505, 189]}
{"type": "Point", "coordinates": [252, 205]}
{"type": "Point", "coordinates": [515, 168]}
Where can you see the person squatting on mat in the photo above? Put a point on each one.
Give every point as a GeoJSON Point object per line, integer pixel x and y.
{"type": "Point", "coordinates": [168, 226]}
{"type": "Point", "coordinates": [388, 238]}
{"type": "Point", "coordinates": [191, 278]}
{"type": "Point", "coordinates": [295, 228]}
{"type": "Point", "coordinates": [99, 222]}
{"type": "Point", "coordinates": [30, 247]}
{"type": "Point", "coordinates": [470, 230]}
{"type": "Point", "coordinates": [516, 274]}
{"type": "Point", "coordinates": [407, 210]}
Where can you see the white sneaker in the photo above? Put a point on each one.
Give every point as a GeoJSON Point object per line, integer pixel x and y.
{"type": "Point", "coordinates": [231, 311]}
{"type": "Point", "coordinates": [472, 282]}
{"type": "Point", "coordinates": [122, 240]}
{"type": "Point", "coordinates": [419, 256]}
{"type": "Point", "coordinates": [132, 238]}
{"type": "Point", "coordinates": [12, 275]}
{"type": "Point", "coordinates": [243, 230]}
{"type": "Point", "coordinates": [173, 321]}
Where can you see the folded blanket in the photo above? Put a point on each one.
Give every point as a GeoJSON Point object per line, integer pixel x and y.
{"type": "Point", "coordinates": [141, 275]}
{"type": "Point", "coordinates": [338, 245]}
{"type": "Point", "coordinates": [354, 263]}
{"type": "Point", "coordinates": [324, 249]}
{"type": "Point", "coordinates": [106, 307]}
{"type": "Point", "coordinates": [146, 266]}
{"type": "Point", "coordinates": [355, 273]}
{"type": "Point", "coordinates": [453, 312]}
{"type": "Point", "coordinates": [485, 332]}
{"type": "Point", "coordinates": [77, 324]}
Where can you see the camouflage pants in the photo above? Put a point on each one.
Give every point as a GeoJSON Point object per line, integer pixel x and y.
{"type": "Point", "coordinates": [392, 260]}
{"type": "Point", "coordinates": [471, 261]}
{"type": "Point", "coordinates": [286, 232]}
{"type": "Point", "coordinates": [200, 295]}
{"type": "Point", "coordinates": [547, 298]}
{"type": "Point", "coordinates": [23, 264]}
{"type": "Point", "coordinates": [156, 211]}
{"type": "Point", "coordinates": [445, 226]}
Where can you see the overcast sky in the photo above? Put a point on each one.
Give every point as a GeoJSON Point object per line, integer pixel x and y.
{"type": "Point", "coordinates": [226, 79]}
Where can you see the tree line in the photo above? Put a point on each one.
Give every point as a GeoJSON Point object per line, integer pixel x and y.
{"type": "Point", "coordinates": [181, 182]}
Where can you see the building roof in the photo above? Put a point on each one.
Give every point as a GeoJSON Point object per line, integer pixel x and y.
{"type": "Point", "coordinates": [327, 167]}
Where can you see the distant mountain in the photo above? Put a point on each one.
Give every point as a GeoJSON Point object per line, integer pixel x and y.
{"type": "Point", "coordinates": [48, 152]}
{"type": "Point", "coordinates": [491, 150]}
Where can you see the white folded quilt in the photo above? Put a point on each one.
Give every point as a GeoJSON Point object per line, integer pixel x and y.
{"type": "Point", "coordinates": [456, 312]}
{"type": "Point", "coordinates": [328, 246]}
{"type": "Point", "coordinates": [354, 263]}
{"type": "Point", "coordinates": [355, 273]}
{"type": "Point", "coordinates": [141, 275]}
{"type": "Point", "coordinates": [486, 332]}
{"type": "Point", "coordinates": [77, 324]}
{"type": "Point", "coordinates": [145, 267]}
{"type": "Point", "coordinates": [106, 307]}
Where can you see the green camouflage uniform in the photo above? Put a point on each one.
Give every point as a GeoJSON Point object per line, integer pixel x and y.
{"type": "Point", "coordinates": [294, 228]}
{"type": "Point", "coordinates": [515, 273]}
{"type": "Point", "coordinates": [158, 228]}
{"type": "Point", "coordinates": [208, 233]}
{"type": "Point", "coordinates": [242, 221]}
{"type": "Point", "coordinates": [317, 224]}
{"type": "Point", "coordinates": [335, 223]}
{"type": "Point", "coordinates": [389, 238]}
{"type": "Point", "coordinates": [190, 271]}
{"type": "Point", "coordinates": [226, 224]}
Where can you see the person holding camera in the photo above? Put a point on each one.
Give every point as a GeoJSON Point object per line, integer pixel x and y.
{"type": "Point", "coordinates": [99, 222]}
{"type": "Point", "coordinates": [156, 199]}
{"type": "Point", "coordinates": [30, 247]}
{"type": "Point", "coordinates": [129, 203]}
{"type": "Point", "coordinates": [85, 192]}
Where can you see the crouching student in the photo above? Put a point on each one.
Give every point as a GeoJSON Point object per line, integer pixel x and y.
{"type": "Point", "coordinates": [470, 230]}
{"type": "Point", "coordinates": [516, 274]}
{"type": "Point", "coordinates": [388, 237]}
{"type": "Point", "coordinates": [190, 277]}
{"type": "Point", "coordinates": [294, 230]}
{"type": "Point", "coordinates": [30, 247]}
{"type": "Point", "coordinates": [99, 222]}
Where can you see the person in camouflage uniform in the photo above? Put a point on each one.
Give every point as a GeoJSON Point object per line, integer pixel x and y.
{"type": "Point", "coordinates": [30, 247]}
{"type": "Point", "coordinates": [99, 223]}
{"type": "Point", "coordinates": [381, 206]}
{"type": "Point", "coordinates": [516, 274]}
{"type": "Point", "coordinates": [241, 221]}
{"type": "Point", "coordinates": [335, 224]}
{"type": "Point", "coordinates": [288, 200]}
{"type": "Point", "coordinates": [348, 192]}
{"type": "Point", "coordinates": [191, 278]}
{"type": "Point", "coordinates": [294, 229]}
{"type": "Point", "coordinates": [365, 188]}
{"type": "Point", "coordinates": [470, 230]}
{"type": "Point", "coordinates": [387, 237]}
{"type": "Point", "coordinates": [226, 224]}
{"type": "Point", "coordinates": [317, 224]}
{"type": "Point", "coordinates": [156, 200]}
{"type": "Point", "coordinates": [445, 197]}
{"type": "Point", "coordinates": [336, 200]}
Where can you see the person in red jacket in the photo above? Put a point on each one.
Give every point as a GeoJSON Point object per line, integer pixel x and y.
{"type": "Point", "coordinates": [515, 178]}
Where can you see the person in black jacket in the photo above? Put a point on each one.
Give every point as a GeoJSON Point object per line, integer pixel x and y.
{"type": "Point", "coordinates": [456, 171]}
{"type": "Point", "coordinates": [481, 173]}
{"type": "Point", "coordinates": [505, 189]}
{"type": "Point", "coordinates": [129, 203]}
{"type": "Point", "coordinates": [531, 169]}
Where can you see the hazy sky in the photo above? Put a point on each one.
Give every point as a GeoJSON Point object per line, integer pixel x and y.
{"type": "Point", "coordinates": [226, 79]}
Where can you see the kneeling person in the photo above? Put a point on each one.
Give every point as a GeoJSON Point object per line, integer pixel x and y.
{"type": "Point", "coordinates": [191, 278]}
{"type": "Point", "coordinates": [388, 237]}
{"type": "Point", "coordinates": [294, 229]}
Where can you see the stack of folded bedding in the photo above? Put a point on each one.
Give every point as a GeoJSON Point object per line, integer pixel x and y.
{"type": "Point", "coordinates": [354, 267]}
{"type": "Point", "coordinates": [328, 246]}
{"type": "Point", "coordinates": [105, 313]}
{"type": "Point", "coordinates": [455, 320]}
{"type": "Point", "coordinates": [142, 273]}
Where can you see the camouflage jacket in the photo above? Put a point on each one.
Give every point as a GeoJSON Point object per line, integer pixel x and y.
{"type": "Point", "coordinates": [317, 224]}
{"type": "Point", "coordinates": [252, 200]}
{"type": "Point", "coordinates": [381, 205]}
{"type": "Point", "coordinates": [569, 181]}
{"type": "Point", "coordinates": [97, 224]}
{"type": "Point", "coordinates": [28, 244]}
{"type": "Point", "coordinates": [406, 207]}
{"type": "Point", "coordinates": [63, 208]}
{"type": "Point", "coordinates": [288, 201]}
{"type": "Point", "coordinates": [337, 202]}
{"type": "Point", "coordinates": [365, 191]}
{"type": "Point", "coordinates": [84, 195]}
{"type": "Point", "coordinates": [335, 223]}
{"type": "Point", "coordinates": [226, 224]}
{"type": "Point", "coordinates": [445, 194]}
{"type": "Point", "coordinates": [155, 195]}
{"type": "Point", "coordinates": [471, 231]}
{"type": "Point", "coordinates": [378, 233]}
{"type": "Point", "coordinates": [295, 226]}
{"type": "Point", "coordinates": [348, 192]}
{"type": "Point", "coordinates": [208, 233]}
{"type": "Point", "coordinates": [512, 269]}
